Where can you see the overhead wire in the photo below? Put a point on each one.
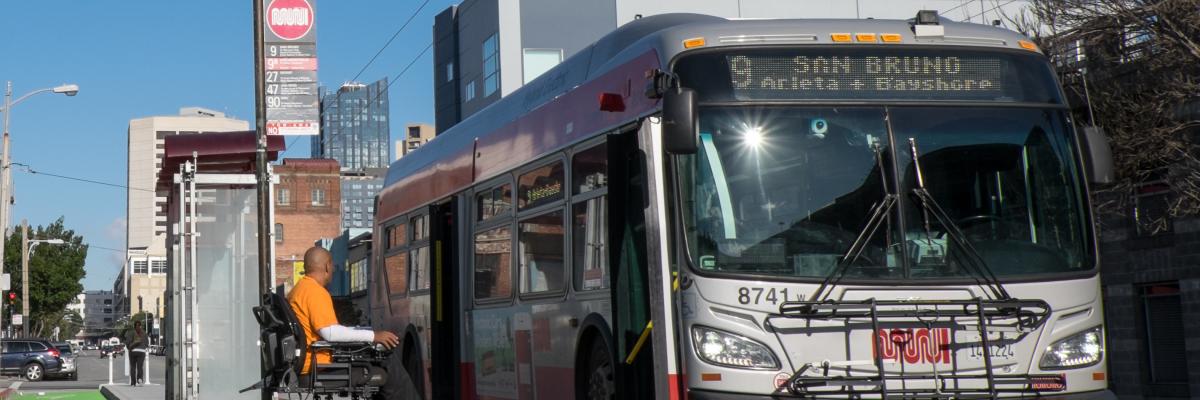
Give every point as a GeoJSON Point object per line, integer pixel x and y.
{"type": "Point", "coordinates": [396, 34]}
{"type": "Point", "coordinates": [389, 41]}
{"type": "Point", "coordinates": [32, 171]}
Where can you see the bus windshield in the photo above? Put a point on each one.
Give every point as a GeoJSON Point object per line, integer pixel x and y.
{"type": "Point", "coordinates": [785, 191]}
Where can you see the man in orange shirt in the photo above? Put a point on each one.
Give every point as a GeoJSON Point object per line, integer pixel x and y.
{"type": "Point", "coordinates": [314, 309]}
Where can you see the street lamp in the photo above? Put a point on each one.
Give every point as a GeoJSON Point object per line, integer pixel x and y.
{"type": "Point", "coordinates": [6, 175]}
{"type": "Point", "coordinates": [26, 250]}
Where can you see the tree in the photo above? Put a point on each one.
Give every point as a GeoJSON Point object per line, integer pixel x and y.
{"type": "Point", "coordinates": [1134, 63]}
{"type": "Point", "coordinates": [54, 273]}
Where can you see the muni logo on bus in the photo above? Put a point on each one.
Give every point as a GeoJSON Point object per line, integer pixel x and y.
{"type": "Point", "coordinates": [913, 345]}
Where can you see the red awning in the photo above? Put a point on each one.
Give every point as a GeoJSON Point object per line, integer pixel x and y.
{"type": "Point", "coordinates": [224, 152]}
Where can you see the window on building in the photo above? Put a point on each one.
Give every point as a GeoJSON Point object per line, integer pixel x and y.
{"type": "Point", "coordinates": [449, 72]}
{"type": "Point", "coordinates": [493, 264]}
{"type": "Point", "coordinates": [158, 266]}
{"type": "Point", "coordinates": [469, 89]}
{"type": "Point", "coordinates": [491, 65]}
{"type": "Point", "coordinates": [535, 62]}
{"type": "Point", "coordinates": [543, 268]}
{"type": "Point", "coordinates": [140, 267]}
{"type": "Point", "coordinates": [318, 197]}
{"type": "Point", "coordinates": [285, 197]}
{"type": "Point", "coordinates": [107, 301]}
{"type": "Point", "coordinates": [543, 185]}
{"type": "Point", "coordinates": [1164, 333]}
{"type": "Point", "coordinates": [279, 233]}
{"type": "Point", "coordinates": [1151, 209]}
{"type": "Point", "coordinates": [108, 311]}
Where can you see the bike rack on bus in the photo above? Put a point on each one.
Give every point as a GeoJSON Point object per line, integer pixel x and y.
{"type": "Point", "coordinates": [1023, 315]}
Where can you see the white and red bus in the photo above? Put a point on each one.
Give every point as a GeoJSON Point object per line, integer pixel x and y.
{"type": "Point", "coordinates": [695, 207]}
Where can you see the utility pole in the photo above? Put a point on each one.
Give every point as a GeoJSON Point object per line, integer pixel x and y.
{"type": "Point", "coordinates": [24, 278]}
{"type": "Point", "coordinates": [260, 156]}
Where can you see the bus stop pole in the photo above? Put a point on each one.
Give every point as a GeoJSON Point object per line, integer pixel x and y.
{"type": "Point", "coordinates": [260, 162]}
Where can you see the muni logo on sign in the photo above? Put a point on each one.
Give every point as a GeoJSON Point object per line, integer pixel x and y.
{"type": "Point", "coordinates": [913, 345]}
{"type": "Point", "coordinates": [289, 19]}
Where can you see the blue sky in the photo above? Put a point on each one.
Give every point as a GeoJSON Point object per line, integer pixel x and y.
{"type": "Point", "coordinates": [138, 58]}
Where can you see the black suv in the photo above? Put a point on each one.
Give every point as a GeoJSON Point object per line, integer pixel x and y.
{"type": "Point", "coordinates": [33, 359]}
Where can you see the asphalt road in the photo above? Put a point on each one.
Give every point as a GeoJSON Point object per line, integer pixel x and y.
{"type": "Point", "coordinates": [93, 372]}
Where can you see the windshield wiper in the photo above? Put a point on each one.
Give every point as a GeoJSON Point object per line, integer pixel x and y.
{"type": "Point", "coordinates": [972, 256]}
{"type": "Point", "coordinates": [880, 213]}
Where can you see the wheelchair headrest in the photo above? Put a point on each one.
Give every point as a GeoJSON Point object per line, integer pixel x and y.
{"type": "Point", "coordinates": [276, 317]}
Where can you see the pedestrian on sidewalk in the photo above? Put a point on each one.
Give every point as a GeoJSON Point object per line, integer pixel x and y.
{"type": "Point", "coordinates": [136, 340]}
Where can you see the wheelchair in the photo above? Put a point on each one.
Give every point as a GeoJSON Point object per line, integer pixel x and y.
{"type": "Point", "coordinates": [353, 373]}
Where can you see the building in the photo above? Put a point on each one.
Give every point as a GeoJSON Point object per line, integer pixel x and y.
{"type": "Point", "coordinates": [144, 272]}
{"type": "Point", "coordinates": [485, 49]}
{"type": "Point", "coordinates": [355, 131]}
{"type": "Point", "coordinates": [415, 136]}
{"type": "Point", "coordinates": [358, 196]}
{"type": "Point", "coordinates": [307, 200]}
{"type": "Point", "coordinates": [351, 254]}
{"type": "Point", "coordinates": [1148, 254]}
{"type": "Point", "coordinates": [98, 309]}
{"type": "Point", "coordinates": [354, 126]}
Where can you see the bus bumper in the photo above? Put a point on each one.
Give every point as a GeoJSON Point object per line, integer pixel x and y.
{"type": "Point", "coordinates": [708, 395]}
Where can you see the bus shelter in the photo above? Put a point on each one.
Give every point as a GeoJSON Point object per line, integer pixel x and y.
{"type": "Point", "coordinates": [212, 281]}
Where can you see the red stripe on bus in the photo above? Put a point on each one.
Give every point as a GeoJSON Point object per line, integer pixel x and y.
{"type": "Point", "coordinates": [673, 385]}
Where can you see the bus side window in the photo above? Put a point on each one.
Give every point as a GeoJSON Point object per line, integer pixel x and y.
{"type": "Point", "coordinates": [589, 218]}
{"type": "Point", "coordinates": [397, 273]}
{"type": "Point", "coordinates": [589, 231]}
{"type": "Point", "coordinates": [493, 264]}
{"type": "Point", "coordinates": [542, 261]}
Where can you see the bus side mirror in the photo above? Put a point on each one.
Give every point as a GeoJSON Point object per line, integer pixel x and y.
{"type": "Point", "coordinates": [680, 128]}
{"type": "Point", "coordinates": [1098, 156]}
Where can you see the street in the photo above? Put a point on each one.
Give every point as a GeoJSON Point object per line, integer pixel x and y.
{"type": "Point", "coordinates": [93, 372]}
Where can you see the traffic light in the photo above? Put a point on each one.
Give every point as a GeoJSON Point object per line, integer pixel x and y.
{"type": "Point", "coordinates": [12, 298]}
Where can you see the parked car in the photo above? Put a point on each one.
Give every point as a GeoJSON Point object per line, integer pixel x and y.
{"type": "Point", "coordinates": [32, 359]}
{"type": "Point", "coordinates": [68, 354]}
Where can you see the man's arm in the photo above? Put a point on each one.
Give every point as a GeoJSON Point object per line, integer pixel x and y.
{"type": "Point", "coordinates": [324, 321]}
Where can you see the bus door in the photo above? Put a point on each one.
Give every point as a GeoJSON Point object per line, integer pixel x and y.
{"type": "Point", "coordinates": [445, 337]}
{"type": "Point", "coordinates": [630, 276]}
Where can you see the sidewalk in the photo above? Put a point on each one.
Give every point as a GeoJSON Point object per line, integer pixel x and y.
{"type": "Point", "coordinates": [126, 392]}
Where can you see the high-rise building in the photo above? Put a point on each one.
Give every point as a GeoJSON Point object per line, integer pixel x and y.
{"type": "Point", "coordinates": [416, 135]}
{"type": "Point", "coordinates": [307, 209]}
{"type": "Point", "coordinates": [486, 49]}
{"type": "Point", "coordinates": [355, 131]}
{"type": "Point", "coordinates": [144, 274]}
{"type": "Point", "coordinates": [354, 126]}
{"type": "Point", "coordinates": [98, 309]}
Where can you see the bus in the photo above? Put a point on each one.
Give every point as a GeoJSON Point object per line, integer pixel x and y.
{"type": "Point", "coordinates": [702, 208]}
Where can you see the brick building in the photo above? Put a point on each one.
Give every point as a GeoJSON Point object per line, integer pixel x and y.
{"type": "Point", "coordinates": [307, 209]}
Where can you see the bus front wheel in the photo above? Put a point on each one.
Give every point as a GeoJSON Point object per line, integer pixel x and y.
{"type": "Point", "coordinates": [598, 379]}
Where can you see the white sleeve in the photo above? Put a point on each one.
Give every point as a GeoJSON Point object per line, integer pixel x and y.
{"type": "Point", "coordinates": [338, 333]}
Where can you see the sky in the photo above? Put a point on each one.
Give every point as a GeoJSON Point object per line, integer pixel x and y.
{"type": "Point", "coordinates": [139, 58]}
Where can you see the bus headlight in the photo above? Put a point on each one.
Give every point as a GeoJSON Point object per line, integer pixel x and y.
{"type": "Point", "coordinates": [731, 350]}
{"type": "Point", "coordinates": [1079, 350]}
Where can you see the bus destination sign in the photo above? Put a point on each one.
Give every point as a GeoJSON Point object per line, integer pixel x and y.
{"type": "Point", "coordinates": [866, 76]}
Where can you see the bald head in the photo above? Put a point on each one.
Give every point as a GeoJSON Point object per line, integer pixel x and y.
{"type": "Point", "coordinates": [317, 264]}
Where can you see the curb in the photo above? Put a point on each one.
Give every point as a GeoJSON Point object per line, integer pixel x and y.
{"type": "Point", "coordinates": [10, 390]}
{"type": "Point", "coordinates": [103, 392]}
